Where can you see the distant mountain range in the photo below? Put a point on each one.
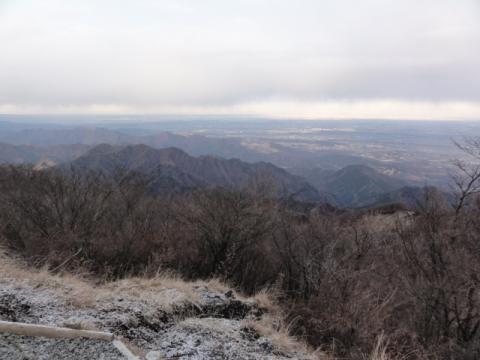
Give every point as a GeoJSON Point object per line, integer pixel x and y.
{"type": "Point", "coordinates": [232, 165]}
{"type": "Point", "coordinates": [196, 145]}
{"type": "Point", "coordinates": [26, 154]}
{"type": "Point", "coordinates": [174, 169]}
{"type": "Point", "coordinates": [92, 136]}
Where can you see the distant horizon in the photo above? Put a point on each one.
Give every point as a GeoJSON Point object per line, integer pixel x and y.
{"type": "Point", "coordinates": [152, 118]}
{"type": "Point", "coordinates": [339, 110]}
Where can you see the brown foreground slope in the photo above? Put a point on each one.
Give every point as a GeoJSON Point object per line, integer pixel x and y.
{"type": "Point", "coordinates": [162, 317]}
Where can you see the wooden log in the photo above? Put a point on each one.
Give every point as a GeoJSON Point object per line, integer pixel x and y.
{"type": "Point", "coordinates": [51, 331]}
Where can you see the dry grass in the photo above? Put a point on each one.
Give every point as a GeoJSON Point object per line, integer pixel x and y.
{"type": "Point", "coordinates": [265, 300]}
{"type": "Point", "coordinates": [164, 290]}
{"type": "Point", "coordinates": [380, 350]}
{"type": "Point", "coordinates": [9, 268]}
{"type": "Point", "coordinates": [161, 291]}
{"type": "Point", "coordinates": [74, 289]}
{"type": "Point", "coordinates": [273, 327]}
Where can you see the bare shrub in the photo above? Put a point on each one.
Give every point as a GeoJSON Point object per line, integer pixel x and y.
{"type": "Point", "coordinates": [225, 234]}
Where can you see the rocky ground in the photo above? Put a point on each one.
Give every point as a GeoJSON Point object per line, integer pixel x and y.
{"type": "Point", "coordinates": [13, 347]}
{"type": "Point", "coordinates": [159, 318]}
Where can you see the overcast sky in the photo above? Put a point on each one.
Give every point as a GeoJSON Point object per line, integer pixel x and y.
{"type": "Point", "coordinates": [417, 59]}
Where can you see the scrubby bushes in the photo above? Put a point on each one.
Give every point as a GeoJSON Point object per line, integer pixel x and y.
{"type": "Point", "coordinates": [344, 279]}
{"type": "Point", "coordinates": [109, 226]}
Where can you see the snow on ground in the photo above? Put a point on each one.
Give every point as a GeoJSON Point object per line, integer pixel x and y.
{"type": "Point", "coordinates": [162, 317]}
{"type": "Point", "coordinates": [13, 347]}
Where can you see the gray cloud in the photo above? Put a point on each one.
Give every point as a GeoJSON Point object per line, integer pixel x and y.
{"type": "Point", "coordinates": [188, 53]}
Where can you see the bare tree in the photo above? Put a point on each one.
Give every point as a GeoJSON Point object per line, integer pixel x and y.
{"type": "Point", "coordinates": [467, 180]}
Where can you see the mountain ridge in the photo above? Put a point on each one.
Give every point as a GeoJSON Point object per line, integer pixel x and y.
{"type": "Point", "coordinates": [186, 171]}
{"type": "Point", "coordinates": [354, 185]}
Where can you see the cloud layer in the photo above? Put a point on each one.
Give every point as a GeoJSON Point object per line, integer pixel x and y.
{"type": "Point", "coordinates": [309, 58]}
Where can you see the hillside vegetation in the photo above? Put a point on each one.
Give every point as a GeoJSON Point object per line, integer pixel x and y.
{"type": "Point", "coordinates": [343, 279]}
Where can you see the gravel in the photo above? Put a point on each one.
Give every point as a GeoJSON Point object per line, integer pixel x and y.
{"type": "Point", "coordinates": [15, 347]}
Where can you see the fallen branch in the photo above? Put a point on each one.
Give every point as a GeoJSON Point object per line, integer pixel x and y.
{"type": "Point", "coordinates": [124, 350]}
{"type": "Point", "coordinates": [66, 261]}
